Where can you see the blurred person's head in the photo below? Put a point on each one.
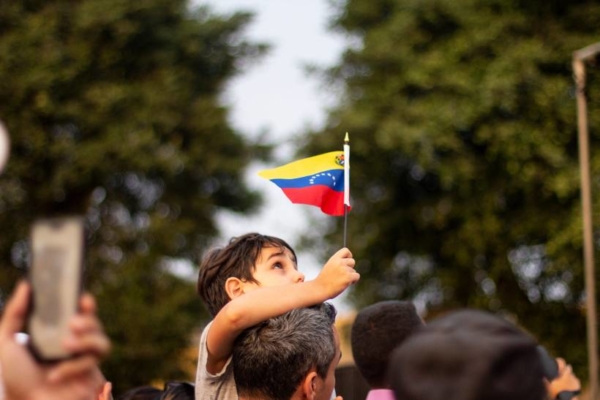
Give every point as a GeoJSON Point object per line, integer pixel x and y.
{"type": "Point", "coordinates": [176, 390]}
{"type": "Point", "coordinates": [173, 390]}
{"type": "Point", "coordinates": [292, 356]}
{"type": "Point", "coordinates": [141, 393]}
{"type": "Point", "coordinates": [467, 355]}
{"type": "Point", "coordinates": [248, 261]}
{"type": "Point", "coordinates": [377, 330]}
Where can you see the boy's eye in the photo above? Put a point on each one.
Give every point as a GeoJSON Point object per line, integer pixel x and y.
{"type": "Point", "coordinates": [277, 265]}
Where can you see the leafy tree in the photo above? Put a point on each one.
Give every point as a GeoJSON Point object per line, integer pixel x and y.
{"type": "Point", "coordinates": [114, 112]}
{"type": "Point", "coordinates": [465, 174]}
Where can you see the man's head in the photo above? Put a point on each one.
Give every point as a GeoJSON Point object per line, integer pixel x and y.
{"type": "Point", "coordinates": [290, 356]}
{"type": "Point", "coordinates": [467, 355]}
{"type": "Point", "coordinates": [377, 330]}
{"type": "Point", "coordinates": [246, 262]}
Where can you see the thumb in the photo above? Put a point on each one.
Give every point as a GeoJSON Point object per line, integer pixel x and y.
{"type": "Point", "coordinates": [344, 252]}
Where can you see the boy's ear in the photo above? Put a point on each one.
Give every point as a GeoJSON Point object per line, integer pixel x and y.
{"type": "Point", "coordinates": [309, 385]}
{"type": "Point", "coordinates": [234, 287]}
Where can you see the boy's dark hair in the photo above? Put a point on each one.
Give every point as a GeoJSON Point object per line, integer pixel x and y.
{"type": "Point", "coordinates": [467, 355]}
{"type": "Point", "coordinates": [377, 330]}
{"type": "Point", "coordinates": [236, 260]}
{"type": "Point", "coordinates": [271, 359]}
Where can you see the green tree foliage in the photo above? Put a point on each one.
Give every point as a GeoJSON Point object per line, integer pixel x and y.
{"type": "Point", "coordinates": [465, 176]}
{"type": "Point", "coordinates": [114, 112]}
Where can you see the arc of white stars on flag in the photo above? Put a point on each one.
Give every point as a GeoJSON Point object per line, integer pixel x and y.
{"type": "Point", "coordinates": [312, 178]}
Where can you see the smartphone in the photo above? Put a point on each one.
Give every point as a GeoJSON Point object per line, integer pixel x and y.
{"type": "Point", "coordinates": [55, 274]}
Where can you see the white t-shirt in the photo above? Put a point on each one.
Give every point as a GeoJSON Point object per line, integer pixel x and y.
{"type": "Point", "coordinates": [220, 386]}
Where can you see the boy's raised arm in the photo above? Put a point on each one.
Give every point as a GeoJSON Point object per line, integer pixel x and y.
{"type": "Point", "coordinates": [267, 302]}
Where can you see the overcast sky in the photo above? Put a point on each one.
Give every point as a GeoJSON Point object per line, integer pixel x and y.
{"type": "Point", "coordinates": [276, 95]}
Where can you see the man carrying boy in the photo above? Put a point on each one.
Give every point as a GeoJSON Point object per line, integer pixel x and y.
{"type": "Point", "coordinates": [299, 367]}
{"type": "Point", "coordinates": [252, 279]}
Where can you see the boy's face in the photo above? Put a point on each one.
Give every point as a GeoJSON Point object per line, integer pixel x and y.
{"type": "Point", "coordinates": [275, 266]}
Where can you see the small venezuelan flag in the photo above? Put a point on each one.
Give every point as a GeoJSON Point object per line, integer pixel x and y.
{"type": "Point", "coordinates": [316, 181]}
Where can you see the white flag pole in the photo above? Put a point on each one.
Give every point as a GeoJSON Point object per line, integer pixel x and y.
{"type": "Point", "coordinates": [346, 184]}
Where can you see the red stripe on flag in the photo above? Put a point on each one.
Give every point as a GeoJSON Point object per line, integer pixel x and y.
{"type": "Point", "coordinates": [328, 200]}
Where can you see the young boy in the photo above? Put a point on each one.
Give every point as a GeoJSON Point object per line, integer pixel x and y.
{"type": "Point", "coordinates": [252, 279]}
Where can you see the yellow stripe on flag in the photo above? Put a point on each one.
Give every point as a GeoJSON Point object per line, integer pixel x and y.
{"type": "Point", "coordinates": [304, 167]}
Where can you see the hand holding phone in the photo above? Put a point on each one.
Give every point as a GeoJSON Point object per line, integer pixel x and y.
{"type": "Point", "coordinates": [25, 378]}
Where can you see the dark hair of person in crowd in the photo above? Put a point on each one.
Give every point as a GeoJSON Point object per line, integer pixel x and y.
{"type": "Point", "coordinates": [141, 393]}
{"type": "Point", "coordinates": [377, 330]}
{"type": "Point", "coordinates": [173, 390]}
{"type": "Point", "coordinates": [177, 390]}
{"type": "Point", "coordinates": [467, 355]}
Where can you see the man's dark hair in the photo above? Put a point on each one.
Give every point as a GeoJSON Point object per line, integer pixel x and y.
{"type": "Point", "coordinates": [467, 355]}
{"type": "Point", "coordinates": [271, 359]}
{"type": "Point", "coordinates": [377, 330]}
{"type": "Point", "coordinates": [236, 260]}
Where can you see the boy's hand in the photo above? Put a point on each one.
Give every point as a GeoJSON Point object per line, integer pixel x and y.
{"type": "Point", "coordinates": [338, 273]}
{"type": "Point", "coordinates": [73, 379]}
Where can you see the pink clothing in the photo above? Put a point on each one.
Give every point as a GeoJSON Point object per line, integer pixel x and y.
{"type": "Point", "coordinates": [380, 394]}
